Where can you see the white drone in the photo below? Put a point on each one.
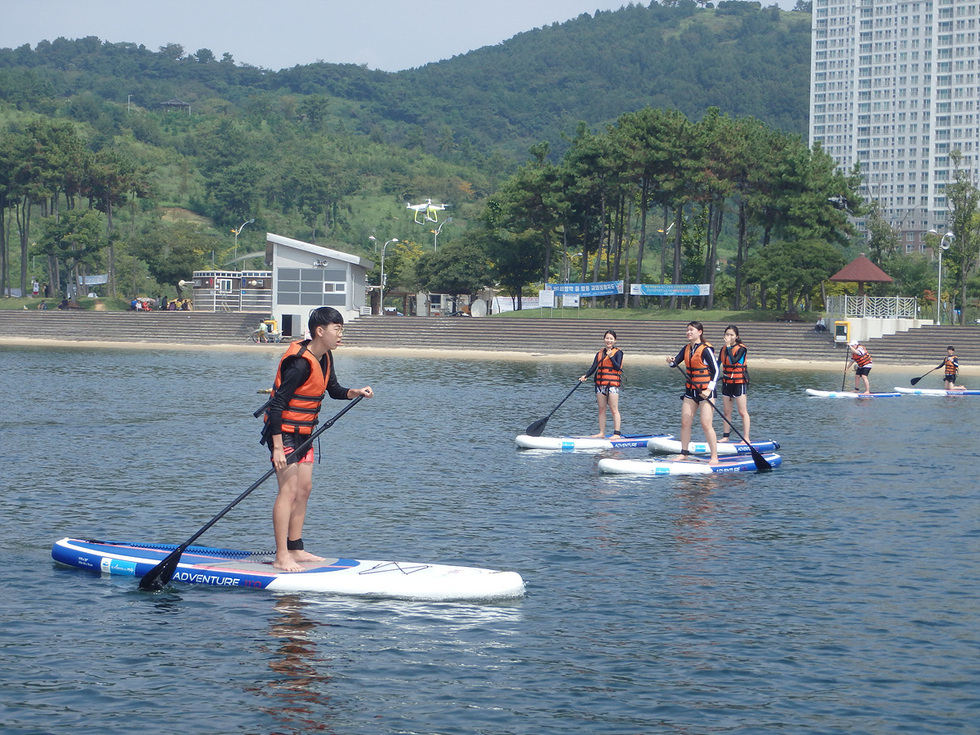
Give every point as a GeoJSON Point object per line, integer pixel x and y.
{"type": "Point", "coordinates": [427, 211]}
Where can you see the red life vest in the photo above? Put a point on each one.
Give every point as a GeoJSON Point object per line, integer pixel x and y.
{"type": "Point", "coordinates": [733, 369]}
{"type": "Point", "coordinates": [863, 357]}
{"type": "Point", "coordinates": [300, 414]}
{"type": "Point", "coordinates": [605, 373]}
{"type": "Point", "coordinates": [698, 371]}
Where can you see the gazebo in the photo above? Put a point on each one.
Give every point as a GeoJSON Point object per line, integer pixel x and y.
{"type": "Point", "coordinates": [861, 271]}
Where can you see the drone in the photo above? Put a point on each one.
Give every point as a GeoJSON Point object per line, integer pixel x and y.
{"type": "Point", "coordinates": [427, 211]}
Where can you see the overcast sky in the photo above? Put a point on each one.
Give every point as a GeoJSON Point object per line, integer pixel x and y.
{"type": "Point", "coordinates": [274, 34]}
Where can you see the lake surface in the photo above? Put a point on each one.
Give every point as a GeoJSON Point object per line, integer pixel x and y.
{"type": "Point", "coordinates": [836, 594]}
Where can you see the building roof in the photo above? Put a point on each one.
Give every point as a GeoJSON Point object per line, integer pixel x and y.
{"type": "Point", "coordinates": [319, 250]}
{"type": "Point", "coordinates": [862, 270]}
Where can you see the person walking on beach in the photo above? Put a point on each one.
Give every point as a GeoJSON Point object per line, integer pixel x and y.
{"type": "Point", "coordinates": [862, 365]}
{"type": "Point", "coordinates": [304, 376]}
{"type": "Point", "coordinates": [699, 387]}
{"type": "Point", "coordinates": [951, 367]}
{"type": "Point", "coordinates": [734, 381]}
{"type": "Point", "coordinates": [608, 369]}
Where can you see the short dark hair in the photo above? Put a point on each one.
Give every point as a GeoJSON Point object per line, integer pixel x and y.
{"type": "Point", "coordinates": [951, 348]}
{"type": "Point", "coordinates": [322, 317]}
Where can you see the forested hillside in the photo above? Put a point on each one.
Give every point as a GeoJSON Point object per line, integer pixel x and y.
{"type": "Point", "coordinates": [145, 164]}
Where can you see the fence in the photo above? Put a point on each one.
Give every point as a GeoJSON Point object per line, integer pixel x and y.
{"type": "Point", "coordinates": [903, 307]}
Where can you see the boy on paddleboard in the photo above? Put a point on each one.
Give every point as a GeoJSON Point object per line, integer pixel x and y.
{"type": "Point", "coordinates": [304, 376]}
{"type": "Point", "coordinates": [862, 365]}
{"type": "Point", "coordinates": [951, 366]}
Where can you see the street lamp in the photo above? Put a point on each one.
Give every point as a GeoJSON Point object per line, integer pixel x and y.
{"type": "Point", "coordinates": [237, 232]}
{"type": "Point", "coordinates": [435, 234]}
{"type": "Point", "coordinates": [943, 246]}
{"type": "Point", "coordinates": [381, 287]}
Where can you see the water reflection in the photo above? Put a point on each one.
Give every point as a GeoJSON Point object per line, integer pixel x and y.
{"type": "Point", "coordinates": [298, 687]}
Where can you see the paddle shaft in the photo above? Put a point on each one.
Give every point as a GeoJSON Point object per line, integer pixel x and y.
{"type": "Point", "coordinates": [916, 380]}
{"type": "Point", "coordinates": [164, 571]}
{"type": "Point", "coordinates": [538, 426]}
{"type": "Point", "coordinates": [847, 356]}
{"type": "Point", "coordinates": [761, 463]}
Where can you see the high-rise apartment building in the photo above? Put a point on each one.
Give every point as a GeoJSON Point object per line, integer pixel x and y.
{"type": "Point", "coordinates": [894, 88]}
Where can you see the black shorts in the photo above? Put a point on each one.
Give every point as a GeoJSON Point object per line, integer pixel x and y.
{"type": "Point", "coordinates": [695, 395]}
{"type": "Point", "coordinates": [950, 378]}
{"type": "Point", "coordinates": [734, 390]}
{"type": "Point", "coordinates": [863, 370]}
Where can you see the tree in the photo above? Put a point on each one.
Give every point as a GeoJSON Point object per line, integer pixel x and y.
{"type": "Point", "coordinates": [173, 252]}
{"type": "Point", "coordinates": [73, 239]}
{"type": "Point", "coordinates": [963, 200]}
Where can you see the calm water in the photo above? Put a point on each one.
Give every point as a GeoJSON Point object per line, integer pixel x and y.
{"type": "Point", "coordinates": [837, 594]}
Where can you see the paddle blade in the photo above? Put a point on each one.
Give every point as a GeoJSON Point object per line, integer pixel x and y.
{"type": "Point", "coordinates": [537, 428]}
{"type": "Point", "coordinates": [156, 578]}
{"type": "Point", "coordinates": [761, 463]}
{"type": "Point", "coordinates": [915, 380]}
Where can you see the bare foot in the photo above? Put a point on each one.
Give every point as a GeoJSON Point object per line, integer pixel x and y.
{"type": "Point", "coordinates": [286, 563]}
{"type": "Point", "coordinates": [598, 436]}
{"type": "Point", "coordinates": [304, 556]}
{"type": "Point", "coordinates": [723, 440]}
{"type": "Point", "coordinates": [713, 462]}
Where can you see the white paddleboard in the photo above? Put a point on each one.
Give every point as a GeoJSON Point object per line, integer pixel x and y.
{"type": "Point", "coordinates": [848, 394]}
{"type": "Point", "coordinates": [669, 445]}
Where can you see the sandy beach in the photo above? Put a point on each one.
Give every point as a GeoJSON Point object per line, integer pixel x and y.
{"type": "Point", "coordinates": [470, 355]}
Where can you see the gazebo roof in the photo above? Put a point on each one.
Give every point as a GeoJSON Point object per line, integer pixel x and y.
{"type": "Point", "coordinates": [862, 270]}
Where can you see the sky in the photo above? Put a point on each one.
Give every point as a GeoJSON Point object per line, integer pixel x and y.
{"type": "Point", "coordinates": [389, 35]}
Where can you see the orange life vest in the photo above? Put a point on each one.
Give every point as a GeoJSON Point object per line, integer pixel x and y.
{"type": "Point", "coordinates": [733, 369]}
{"type": "Point", "coordinates": [698, 371]}
{"type": "Point", "coordinates": [950, 366]}
{"type": "Point", "coordinates": [863, 357]}
{"type": "Point", "coordinates": [300, 414]}
{"type": "Point", "coordinates": [605, 373]}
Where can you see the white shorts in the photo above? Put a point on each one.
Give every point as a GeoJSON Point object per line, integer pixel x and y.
{"type": "Point", "coordinates": [606, 389]}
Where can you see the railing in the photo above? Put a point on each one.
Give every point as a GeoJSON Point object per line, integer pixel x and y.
{"type": "Point", "coordinates": [257, 300]}
{"type": "Point", "coordinates": [881, 307]}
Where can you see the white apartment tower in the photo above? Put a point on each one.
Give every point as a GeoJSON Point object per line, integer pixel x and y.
{"type": "Point", "coordinates": [893, 87]}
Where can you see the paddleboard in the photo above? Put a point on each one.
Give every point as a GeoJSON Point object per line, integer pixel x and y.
{"type": "Point", "coordinates": [232, 568]}
{"type": "Point", "coordinates": [573, 443]}
{"type": "Point", "coordinates": [669, 445]}
{"type": "Point", "coordinates": [937, 392]}
{"type": "Point", "coordinates": [737, 463]}
{"type": "Point", "coordinates": [849, 394]}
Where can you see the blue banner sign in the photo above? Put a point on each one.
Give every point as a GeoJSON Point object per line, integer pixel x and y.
{"type": "Point", "coordinates": [606, 288]}
{"type": "Point", "coordinates": [670, 289]}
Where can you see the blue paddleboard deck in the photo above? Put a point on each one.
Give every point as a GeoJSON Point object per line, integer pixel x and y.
{"type": "Point", "coordinates": [338, 575]}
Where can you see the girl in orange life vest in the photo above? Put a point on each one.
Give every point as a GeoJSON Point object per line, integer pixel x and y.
{"type": "Point", "coordinates": [951, 366]}
{"type": "Point", "coordinates": [608, 369]}
{"type": "Point", "coordinates": [862, 365]}
{"type": "Point", "coordinates": [734, 381]}
{"type": "Point", "coordinates": [699, 388]}
{"type": "Point", "coordinates": [304, 376]}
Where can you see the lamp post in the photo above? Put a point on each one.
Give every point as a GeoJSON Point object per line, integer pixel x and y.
{"type": "Point", "coordinates": [943, 246]}
{"type": "Point", "coordinates": [237, 232]}
{"type": "Point", "coordinates": [435, 234]}
{"type": "Point", "coordinates": [381, 286]}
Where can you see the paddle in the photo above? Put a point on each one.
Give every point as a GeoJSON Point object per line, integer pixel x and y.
{"type": "Point", "coordinates": [163, 572]}
{"type": "Point", "coordinates": [537, 427]}
{"type": "Point", "coordinates": [847, 355]}
{"type": "Point", "coordinates": [761, 463]}
{"type": "Point", "coordinates": [916, 380]}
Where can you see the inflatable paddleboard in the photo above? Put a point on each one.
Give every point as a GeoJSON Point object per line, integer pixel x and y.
{"type": "Point", "coordinates": [573, 443]}
{"type": "Point", "coordinates": [937, 392]}
{"type": "Point", "coordinates": [231, 568]}
{"type": "Point", "coordinates": [849, 394]}
{"type": "Point", "coordinates": [669, 445]}
{"type": "Point", "coordinates": [738, 463]}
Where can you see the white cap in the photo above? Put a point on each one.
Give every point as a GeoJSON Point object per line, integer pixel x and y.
{"type": "Point", "coordinates": [852, 343]}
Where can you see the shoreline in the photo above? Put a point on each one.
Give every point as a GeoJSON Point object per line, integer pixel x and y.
{"type": "Point", "coordinates": [467, 355]}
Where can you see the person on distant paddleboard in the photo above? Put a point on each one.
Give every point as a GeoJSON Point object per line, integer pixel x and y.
{"type": "Point", "coordinates": [304, 376]}
{"type": "Point", "coordinates": [951, 366]}
{"type": "Point", "coordinates": [862, 365]}
{"type": "Point", "coordinates": [608, 369]}
{"type": "Point", "coordinates": [734, 381]}
{"type": "Point", "coordinates": [699, 388]}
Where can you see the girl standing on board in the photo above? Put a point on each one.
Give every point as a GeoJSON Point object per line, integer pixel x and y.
{"type": "Point", "coordinates": [734, 381]}
{"type": "Point", "coordinates": [608, 369]}
{"type": "Point", "coordinates": [699, 388]}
